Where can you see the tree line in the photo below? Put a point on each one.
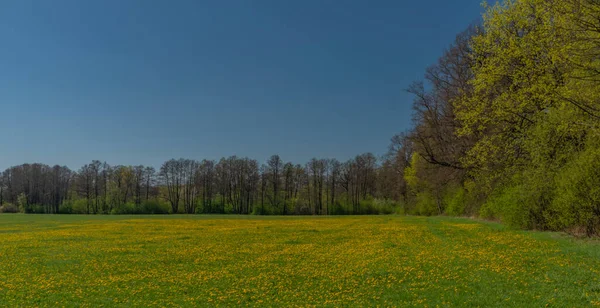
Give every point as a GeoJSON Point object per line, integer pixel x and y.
{"type": "Point", "coordinates": [231, 185]}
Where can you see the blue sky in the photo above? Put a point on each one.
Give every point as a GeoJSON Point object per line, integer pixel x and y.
{"type": "Point", "coordinates": [142, 81]}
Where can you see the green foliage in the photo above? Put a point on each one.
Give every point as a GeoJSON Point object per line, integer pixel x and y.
{"type": "Point", "coordinates": [426, 204]}
{"type": "Point", "coordinates": [456, 201]}
{"type": "Point", "coordinates": [425, 201]}
{"type": "Point", "coordinates": [35, 209]}
{"type": "Point", "coordinates": [260, 210]}
{"type": "Point", "coordinates": [340, 208]}
{"type": "Point", "coordinates": [522, 201]}
{"type": "Point", "coordinates": [124, 209]}
{"type": "Point", "coordinates": [526, 114]}
{"type": "Point", "coordinates": [366, 206]}
{"type": "Point", "coordinates": [154, 207]}
{"type": "Point", "coordinates": [386, 206]}
{"type": "Point", "coordinates": [227, 208]}
{"type": "Point", "coordinates": [146, 207]}
{"type": "Point", "coordinates": [25, 207]}
{"type": "Point", "coordinates": [295, 206]}
{"type": "Point", "coordinates": [410, 172]}
{"type": "Point", "coordinates": [22, 203]}
{"type": "Point", "coordinates": [9, 208]}
{"type": "Point", "coordinates": [578, 194]}
{"type": "Point", "coordinates": [509, 205]}
{"type": "Point", "coordinates": [463, 199]}
{"type": "Point", "coordinates": [66, 207]}
{"type": "Point", "coordinates": [77, 206]}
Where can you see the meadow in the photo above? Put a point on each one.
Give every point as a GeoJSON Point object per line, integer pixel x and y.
{"type": "Point", "coordinates": [54, 260]}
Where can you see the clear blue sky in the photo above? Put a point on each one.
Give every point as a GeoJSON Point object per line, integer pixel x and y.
{"type": "Point", "coordinates": [140, 82]}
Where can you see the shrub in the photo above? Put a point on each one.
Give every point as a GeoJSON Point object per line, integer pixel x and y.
{"type": "Point", "coordinates": [366, 207]}
{"type": "Point", "coordinates": [22, 203]}
{"type": "Point", "coordinates": [300, 208]}
{"type": "Point", "coordinates": [523, 201]}
{"type": "Point", "coordinates": [66, 207]}
{"type": "Point", "coordinates": [577, 204]}
{"type": "Point", "coordinates": [35, 209]}
{"type": "Point", "coordinates": [9, 208]}
{"type": "Point", "coordinates": [79, 206]}
{"type": "Point", "coordinates": [124, 209]}
{"type": "Point", "coordinates": [154, 207]}
{"type": "Point", "coordinates": [227, 209]}
{"type": "Point", "coordinates": [455, 201]}
{"type": "Point", "coordinates": [385, 206]}
{"type": "Point", "coordinates": [338, 209]}
{"type": "Point", "coordinates": [146, 207]}
{"type": "Point", "coordinates": [426, 204]}
{"type": "Point", "coordinates": [508, 204]}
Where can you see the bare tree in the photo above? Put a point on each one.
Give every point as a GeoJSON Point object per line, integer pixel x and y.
{"type": "Point", "coordinates": [85, 180]}
{"type": "Point", "coordinates": [206, 184]}
{"type": "Point", "coordinates": [274, 165]}
{"type": "Point", "coordinates": [189, 173]}
{"type": "Point", "coordinates": [171, 174]}
{"type": "Point", "coordinates": [149, 180]}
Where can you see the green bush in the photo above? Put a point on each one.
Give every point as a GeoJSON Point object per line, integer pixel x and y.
{"type": "Point", "coordinates": [338, 209]}
{"type": "Point", "coordinates": [227, 209]}
{"type": "Point", "coordinates": [577, 205]}
{"type": "Point", "coordinates": [146, 207]}
{"type": "Point", "coordinates": [426, 204]}
{"type": "Point", "coordinates": [523, 201]}
{"type": "Point", "coordinates": [35, 209]}
{"type": "Point", "coordinates": [507, 204]}
{"type": "Point", "coordinates": [259, 210]}
{"type": "Point", "coordinates": [25, 207]}
{"type": "Point", "coordinates": [66, 207]}
{"type": "Point", "coordinates": [366, 207]}
{"type": "Point", "coordinates": [9, 208]}
{"type": "Point", "coordinates": [455, 200]}
{"type": "Point", "coordinates": [79, 206]}
{"type": "Point", "coordinates": [384, 206]}
{"type": "Point", "coordinates": [154, 207]}
{"type": "Point", "coordinates": [22, 203]}
{"type": "Point", "coordinates": [124, 209]}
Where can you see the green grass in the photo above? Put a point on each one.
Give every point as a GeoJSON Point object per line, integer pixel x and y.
{"type": "Point", "coordinates": [73, 260]}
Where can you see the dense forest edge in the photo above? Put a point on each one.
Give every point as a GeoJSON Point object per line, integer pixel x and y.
{"type": "Point", "coordinates": [505, 126]}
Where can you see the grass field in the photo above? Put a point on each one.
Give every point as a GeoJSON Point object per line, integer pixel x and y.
{"type": "Point", "coordinates": [297, 261]}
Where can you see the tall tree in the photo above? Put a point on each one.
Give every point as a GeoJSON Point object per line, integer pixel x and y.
{"type": "Point", "coordinates": [171, 174]}
{"type": "Point", "coordinates": [274, 167]}
{"type": "Point", "coordinates": [85, 179]}
{"type": "Point", "coordinates": [149, 175]}
{"type": "Point", "coordinates": [207, 183]}
{"type": "Point", "coordinates": [189, 174]}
